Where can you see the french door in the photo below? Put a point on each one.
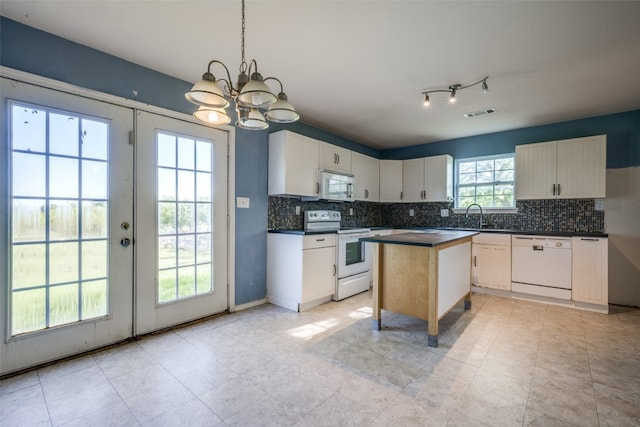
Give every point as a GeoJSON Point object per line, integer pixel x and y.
{"type": "Point", "coordinates": [104, 236]}
{"type": "Point", "coordinates": [181, 232]}
{"type": "Point", "coordinates": [67, 197]}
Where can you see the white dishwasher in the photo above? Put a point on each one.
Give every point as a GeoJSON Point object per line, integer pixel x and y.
{"type": "Point", "coordinates": [541, 265]}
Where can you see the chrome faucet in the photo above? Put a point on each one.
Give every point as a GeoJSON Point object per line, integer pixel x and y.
{"type": "Point", "coordinates": [467, 214]}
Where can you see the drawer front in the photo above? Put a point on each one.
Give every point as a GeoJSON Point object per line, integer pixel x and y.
{"type": "Point", "coordinates": [492, 239]}
{"type": "Point", "coordinates": [318, 241]}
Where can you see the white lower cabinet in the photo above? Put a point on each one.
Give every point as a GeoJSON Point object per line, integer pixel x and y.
{"type": "Point", "coordinates": [589, 269]}
{"type": "Point", "coordinates": [301, 270]}
{"type": "Point", "coordinates": [491, 257]}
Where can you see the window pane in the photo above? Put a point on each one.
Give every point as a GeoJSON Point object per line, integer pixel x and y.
{"type": "Point", "coordinates": [63, 220]}
{"type": "Point", "coordinates": [63, 262]}
{"type": "Point", "coordinates": [95, 139]}
{"type": "Point", "coordinates": [28, 220]}
{"type": "Point", "coordinates": [466, 201]}
{"type": "Point", "coordinates": [204, 217]}
{"type": "Point", "coordinates": [28, 129]}
{"type": "Point", "coordinates": [467, 191]}
{"type": "Point", "coordinates": [486, 165]}
{"type": "Point", "coordinates": [203, 156]}
{"type": "Point", "coordinates": [484, 190]}
{"type": "Point", "coordinates": [204, 248]}
{"type": "Point", "coordinates": [467, 178]}
{"type": "Point", "coordinates": [167, 285]}
{"type": "Point", "coordinates": [505, 163]}
{"type": "Point", "coordinates": [63, 177]}
{"type": "Point", "coordinates": [204, 278]}
{"type": "Point", "coordinates": [167, 251]}
{"type": "Point", "coordinates": [185, 218]}
{"type": "Point", "coordinates": [28, 175]}
{"type": "Point", "coordinates": [94, 259]}
{"type": "Point", "coordinates": [167, 218]}
{"type": "Point", "coordinates": [29, 266]}
{"type": "Point", "coordinates": [94, 299]}
{"type": "Point", "coordinates": [186, 254]}
{"type": "Point", "coordinates": [63, 134]}
{"type": "Point", "coordinates": [186, 153]}
{"type": "Point", "coordinates": [28, 310]}
{"type": "Point", "coordinates": [94, 180]}
{"type": "Point", "coordinates": [485, 200]}
{"type": "Point", "coordinates": [483, 177]}
{"type": "Point", "coordinates": [503, 176]}
{"type": "Point", "coordinates": [203, 186]}
{"type": "Point", "coordinates": [166, 150]}
{"type": "Point", "coordinates": [63, 304]}
{"type": "Point", "coordinates": [504, 200]}
{"type": "Point", "coordinates": [166, 184]}
{"type": "Point", "coordinates": [186, 186]}
{"type": "Point", "coordinates": [187, 282]}
{"type": "Point", "coordinates": [467, 167]}
{"type": "Point", "coordinates": [94, 219]}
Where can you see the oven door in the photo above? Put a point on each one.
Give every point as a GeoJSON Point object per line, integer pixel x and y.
{"type": "Point", "coordinates": [353, 257]}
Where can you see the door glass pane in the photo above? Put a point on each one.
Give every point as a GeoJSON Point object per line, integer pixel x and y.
{"type": "Point", "coordinates": [354, 253]}
{"type": "Point", "coordinates": [184, 227]}
{"type": "Point", "coordinates": [59, 251]}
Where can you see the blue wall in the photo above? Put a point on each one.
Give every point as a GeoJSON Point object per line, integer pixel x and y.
{"type": "Point", "coordinates": [622, 130]}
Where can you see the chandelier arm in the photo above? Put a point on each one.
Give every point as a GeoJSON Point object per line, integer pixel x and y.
{"type": "Point", "coordinates": [227, 81]}
{"type": "Point", "coordinates": [276, 79]}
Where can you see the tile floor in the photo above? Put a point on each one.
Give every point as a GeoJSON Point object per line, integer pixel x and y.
{"type": "Point", "coordinates": [504, 363]}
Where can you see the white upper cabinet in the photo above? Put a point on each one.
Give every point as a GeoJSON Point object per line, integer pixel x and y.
{"type": "Point", "coordinates": [438, 174]}
{"type": "Point", "coordinates": [569, 169]}
{"type": "Point", "coordinates": [334, 158]}
{"type": "Point", "coordinates": [390, 180]}
{"type": "Point", "coordinates": [293, 164]}
{"type": "Point", "coordinates": [427, 179]}
{"type": "Point", "coordinates": [413, 180]}
{"type": "Point", "coordinates": [367, 175]}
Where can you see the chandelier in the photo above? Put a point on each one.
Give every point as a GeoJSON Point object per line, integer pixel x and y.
{"type": "Point", "coordinates": [250, 95]}
{"type": "Point", "coordinates": [453, 89]}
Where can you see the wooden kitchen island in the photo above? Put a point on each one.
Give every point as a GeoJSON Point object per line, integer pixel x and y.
{"type": "Point", "coordinates": [421, 274]}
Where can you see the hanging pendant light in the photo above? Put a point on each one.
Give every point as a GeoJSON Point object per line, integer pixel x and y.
{"type": "Point", "coordinates": [213, 116]}
{"type": "Point", "coordinates": [252, 119]}
{"type": "Point", "coordinates": [249, 95]}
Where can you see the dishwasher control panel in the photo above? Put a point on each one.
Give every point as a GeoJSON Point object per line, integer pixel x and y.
{"type": "Point", "coordinates": [541, 242]}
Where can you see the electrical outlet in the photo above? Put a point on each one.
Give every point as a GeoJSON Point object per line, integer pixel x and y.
{"type": "Point", "coordinates": [243, 202]}
{"type": "Point", "coordinates": [444, 212]}
{"type": "Point", "coordinates": [297, 210]}
{"type": "Point", "coordinates": [411, 212]}
{"type": "Point", "coordinates": [598, 204]}
{"type": "Point", "coordinates": [350, 211]}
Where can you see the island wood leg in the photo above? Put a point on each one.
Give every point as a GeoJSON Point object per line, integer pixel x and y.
{"type": "Point", "coordinates": [432, 284]}
{"type": "Point", "coordinates": [376, 264]}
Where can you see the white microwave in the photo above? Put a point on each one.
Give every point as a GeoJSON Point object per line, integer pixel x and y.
{"type": "Point", "coordinates": [335, 186]}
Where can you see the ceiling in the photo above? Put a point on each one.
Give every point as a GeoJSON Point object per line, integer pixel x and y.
{"type": "Point", "coordinates": [357, 68]}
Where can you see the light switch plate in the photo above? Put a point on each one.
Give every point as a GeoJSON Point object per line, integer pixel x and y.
{"type": "Point", "coordinates": [297, 210]}
{"type": "Point", "coordinates": [350, 211]}
{"type": "Point", "coordinates": [598, 204]}
{"type": "Point", "coordinates": [411, 212]}
{"type": "Point", "coordinates": [243, 202]}
{"type": "Point", "coordinates": [444, 212]}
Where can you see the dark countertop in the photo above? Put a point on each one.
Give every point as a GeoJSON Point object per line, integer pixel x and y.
{"type": "Point", "coordinates": [482, 230]}
{"type": "Point", "coordinates": [421, 238]}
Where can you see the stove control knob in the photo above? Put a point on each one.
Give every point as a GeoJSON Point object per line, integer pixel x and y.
{"type": "Point", "coordinates": [558, 244]}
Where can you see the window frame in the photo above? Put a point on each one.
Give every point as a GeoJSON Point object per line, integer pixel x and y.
{"type": "Point", "coordinates": [497, 209]}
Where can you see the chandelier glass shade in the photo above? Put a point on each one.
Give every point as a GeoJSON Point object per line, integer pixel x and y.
{"type": "Point", "coordinates": [250, 95]}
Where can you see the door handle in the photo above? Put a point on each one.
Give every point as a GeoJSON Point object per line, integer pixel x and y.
{"type": "Point", "coordinates": [124, 242]}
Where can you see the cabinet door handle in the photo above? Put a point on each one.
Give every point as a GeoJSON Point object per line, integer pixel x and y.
{"type": "Point", "coordinates": [338, 156]}
{"type": "Point", "coordinates": [558, 189]}
{"type": "Point", "coordinates": [589, 240]}
{"type": "Point", "coordinates": [475, 261]}
{"type": "Point", "coordinates": [335, 270]}
{"type": "Point", "coordinates": [401, 195]}
{"type": "Point", "coordinates": [317, 188]}
{"type": "Point", "coordinates": [554, 189]}
{"type": "Point", "coordinates": [319, 240]}
{"type": "Point", "coordinates": [366, 193]}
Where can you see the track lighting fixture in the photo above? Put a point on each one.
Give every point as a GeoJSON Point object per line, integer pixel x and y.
{"type": "Point", "coordinates": [250, 94]}
{"type": "Point", "coordinates": [453, 90]}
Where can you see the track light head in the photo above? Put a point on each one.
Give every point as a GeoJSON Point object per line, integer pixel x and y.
{"type": "Point", "coordinates": [485, 88]}
{"type": "Point", "coordinates": [426, 99]}
{"type": "Point", "coordinates": [452, 97]}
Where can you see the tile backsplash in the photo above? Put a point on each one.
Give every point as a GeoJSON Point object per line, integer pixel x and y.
{"type": "Point", "coordinates": [573, 215]}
